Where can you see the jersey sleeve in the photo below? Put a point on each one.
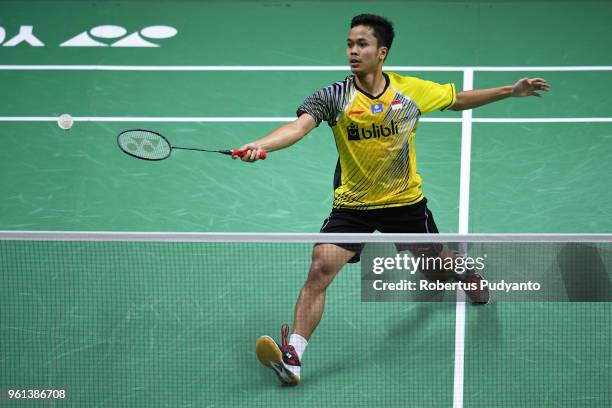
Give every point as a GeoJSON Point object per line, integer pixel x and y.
{"type": "Point", "coordinates": [322, 105]}
{"type": "Point", "coordinates": [430, 96]}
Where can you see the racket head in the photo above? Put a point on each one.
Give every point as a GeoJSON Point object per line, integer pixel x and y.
{"type": "Point", "coordinates": [144, 144]}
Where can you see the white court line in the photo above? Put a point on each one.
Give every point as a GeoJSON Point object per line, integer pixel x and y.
{"type": "Point", "coordinates": [466, 155]}
{"type": "Point", "coordinates": [284, 237]}
{"type": "Point", "coordinates": [464, 206]}
{"type": "Point", "coordinates": [286, 68]}
{"type": "Point", "coordinates": [145, 119]}
{"type": "Point", "coordinates": [177, 119]}
{"type": "Point", "coordinates": [542, 120]}
{"type": "Point", "coordinates": [230, 119]}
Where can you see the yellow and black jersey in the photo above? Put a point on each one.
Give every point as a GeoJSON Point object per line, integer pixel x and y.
{"type": "Point", "coordinates": [375, 137]}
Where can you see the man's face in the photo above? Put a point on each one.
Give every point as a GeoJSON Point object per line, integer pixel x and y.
{"type": "Point", "coordinates": [362, 50]}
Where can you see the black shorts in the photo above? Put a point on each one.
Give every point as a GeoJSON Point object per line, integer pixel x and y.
{"type": "Point", "coordinates": [409, 219]}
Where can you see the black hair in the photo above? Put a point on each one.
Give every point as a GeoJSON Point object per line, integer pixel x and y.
{"type": "Point", "coordinates": [383, 28]}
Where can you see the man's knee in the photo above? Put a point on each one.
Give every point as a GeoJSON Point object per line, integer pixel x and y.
{"type": "Point", "coordinates": [320, 273]}
{"type": "Point", "coordinates": [323, 269]}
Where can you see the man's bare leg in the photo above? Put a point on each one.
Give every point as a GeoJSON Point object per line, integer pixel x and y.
{"type": "Point", "coordinates": [285, 359]}
{"type": "Point", "coordinates": [327, 260]}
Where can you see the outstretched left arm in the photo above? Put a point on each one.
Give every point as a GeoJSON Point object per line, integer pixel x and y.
{"type": "Point", "coordinates": [478, 97]}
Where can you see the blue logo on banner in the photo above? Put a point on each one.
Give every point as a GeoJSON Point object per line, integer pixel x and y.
{"type": "Point", "coordinates": [377, 108]}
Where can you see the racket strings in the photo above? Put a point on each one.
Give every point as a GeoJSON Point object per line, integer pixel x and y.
{"type": "Point", "coordinates": [144, 144]}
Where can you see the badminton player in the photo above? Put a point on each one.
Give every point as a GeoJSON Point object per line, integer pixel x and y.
{"type": "Point", "coordinates": [374, 116]}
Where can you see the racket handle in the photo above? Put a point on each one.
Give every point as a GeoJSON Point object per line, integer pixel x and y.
{"type": "Point", "coordinates": [240, 153]}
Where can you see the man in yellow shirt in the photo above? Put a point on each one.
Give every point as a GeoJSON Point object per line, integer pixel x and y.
{"type": "Point", "coordinates": [373, 116]}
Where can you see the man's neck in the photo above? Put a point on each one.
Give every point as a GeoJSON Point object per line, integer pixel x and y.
{"type": "Point", "coordinates": [373, 82]}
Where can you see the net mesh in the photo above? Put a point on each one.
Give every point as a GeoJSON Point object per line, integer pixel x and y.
{"type": "Point", "coordinates": [156, 324]}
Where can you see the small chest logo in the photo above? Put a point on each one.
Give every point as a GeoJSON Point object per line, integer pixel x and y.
{"type": "Point", "coordinates": [377, 108]}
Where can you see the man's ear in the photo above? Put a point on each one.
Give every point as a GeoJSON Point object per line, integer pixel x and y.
{"type": "Point", "coordinates": [382, 53]}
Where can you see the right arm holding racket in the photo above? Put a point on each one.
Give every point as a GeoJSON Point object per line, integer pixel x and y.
{"type": "Point", "coordinates": [280, 138]}
{"type": "Point", "coordinates": [153, 146]}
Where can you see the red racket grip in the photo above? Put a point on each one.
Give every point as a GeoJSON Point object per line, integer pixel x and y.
{"type": "Point", "coordinates": [240, 153]}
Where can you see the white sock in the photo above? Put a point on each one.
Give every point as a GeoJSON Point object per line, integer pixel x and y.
{"type": "Point", "coordinates": [299, 344]}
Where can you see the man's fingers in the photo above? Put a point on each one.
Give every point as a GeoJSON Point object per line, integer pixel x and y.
{"type": "Point", "coordinates": [540, 83]}
{"type": "Point", "coordinates": [240, 153]}
{"type": "Point", "coordinates": [545, 87]}
{"type": "Point", "coordinates": [529, 86]}
{"type": "Point", "coordinates": [248, 154]}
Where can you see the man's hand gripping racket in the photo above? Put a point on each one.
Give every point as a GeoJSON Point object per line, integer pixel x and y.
{"type": "Point", "coordinates": [250, 152]}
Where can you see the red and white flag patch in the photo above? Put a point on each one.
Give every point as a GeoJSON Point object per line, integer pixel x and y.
{"type": "Point", "coordinates": [395, 105]}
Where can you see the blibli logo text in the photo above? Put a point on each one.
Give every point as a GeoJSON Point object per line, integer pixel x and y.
{"type": "Point", "coordinates": [373, 132]}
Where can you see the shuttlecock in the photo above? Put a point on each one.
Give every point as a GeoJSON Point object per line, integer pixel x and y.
{"type": "Point", "coordinates": [65, 121]}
